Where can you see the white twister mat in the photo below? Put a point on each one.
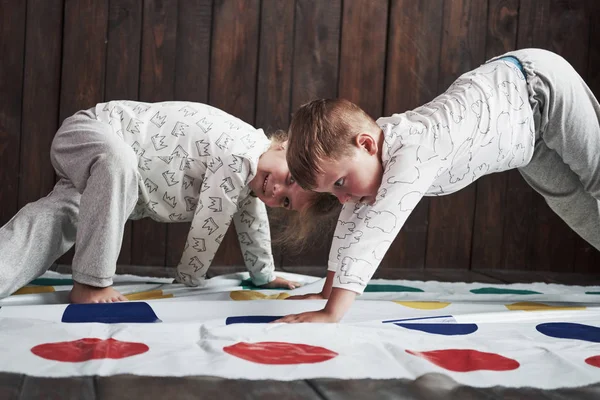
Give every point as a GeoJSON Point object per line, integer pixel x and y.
{"type": "Point", "coordinates": [539, 335]}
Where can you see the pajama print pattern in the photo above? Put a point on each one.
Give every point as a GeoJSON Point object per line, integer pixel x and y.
{"type": "Point", "coordinates": [195, 162]}
{"type": "Point", "coordinates": [482, 124]}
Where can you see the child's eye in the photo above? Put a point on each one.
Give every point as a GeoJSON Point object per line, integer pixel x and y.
{"type": "Point", "coordinates": [292, 180]}
{"type": "Point", "coordinates": [286, 203]}
{"type": "Point", "coordinates": [339, 182]}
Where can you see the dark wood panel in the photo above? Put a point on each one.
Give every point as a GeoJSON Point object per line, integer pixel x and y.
{"type": "Point", "coordinates": [275, 65]}
{"type": "Point", "coordinates": [74, 388]}
{"type": "Point", "coordinates": [587, 258]}
{"type": "Point", "coordinates": [194, 26]}
{"type": "Point", "coordinates": [234, 58]}
{"type": "Point", "coordinates": [260, 60]}
{"type": "Point", "coordinates": [553, 25]}
{"type": "Point", "coordinates": [316, 50]}
{"type": "Point", "coordinates": [40, 113]}
{"type": "Point", "coordinates": [157, 77]}
{"type": "Point", "coordinates": [198, 387]}
{"type": "Point", "coordinates": [191, 84]}
{"type": "Point", "coordinates": [12, 48]}
{"type": "Point", "coordinates": [428, 386]}
{"type": "Point", "coordinates": [362, 58]}
{"type": "Point", "coordinates": [412, 76]}
{"type": "Point", "coordinates": [523, 276]}
{"type": "Point", "coordinates": [10, 385]}
{"type": "Point", "coordinates": [83, 61]}
{"type": "Point", "coordinates": [274, 79]}
{"type": "Point", "coordinates": [491, 190]}
{"type": "Point", "coordinates": [451, 217]}
{"type": "Point", "coordinates": [569, 38]}
{"type": "Point", "coordinates": [315, 75]}
{"type": "Point", "coordinates": [522, 202]}
{"type": "Point", "coordinates": [519, 222]}
{"type": "Point", "coordinates": [439, 386]}
{"type": "Point", "coordinates": [234, 64]}
{"type": "Point", "coordinates": [123, 72]}
{"type": "Point", "coordinates": [84, 55]}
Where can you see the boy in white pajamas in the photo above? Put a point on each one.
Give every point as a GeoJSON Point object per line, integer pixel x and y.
{"type": "Point", "coordinates": [172, 162]}
{"type": "Point", "coordinates": [527, 109]}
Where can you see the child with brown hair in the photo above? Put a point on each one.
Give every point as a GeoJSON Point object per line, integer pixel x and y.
{"type": "Point", "coordinates": [171, 162]}
{"type": "Point", "coordinates": [527, 109]}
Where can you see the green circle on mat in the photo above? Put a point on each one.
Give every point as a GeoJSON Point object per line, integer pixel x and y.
{"type": "Point", "coordinates": [592, 292]}
{"type": "Point", "coordinates": [391, 288]}
{"type": "Point", "coordinates": [493, 290]}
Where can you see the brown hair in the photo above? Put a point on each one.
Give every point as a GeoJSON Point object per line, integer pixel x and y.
{"type": "Point", "coordinates": [295, 230]}
{"type": "Point", "coordinates": [323, 129]}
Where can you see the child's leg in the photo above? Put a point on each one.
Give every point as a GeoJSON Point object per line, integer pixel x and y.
{"type": "Point", "coordinates": [567, 120]}
{"type": "Point", "coordinates": [564, 193]}
{"type": "Point", "coordinates": [36, 236]}
{"type": "Point", "coordinates": [103, 168]}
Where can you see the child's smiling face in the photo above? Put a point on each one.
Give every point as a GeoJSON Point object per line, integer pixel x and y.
{"type": "Point", "coordinates": [273, 183]}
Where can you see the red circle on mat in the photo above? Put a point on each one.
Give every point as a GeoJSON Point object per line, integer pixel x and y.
{"type": "Point", "coordinates": [280, 353]}
{"type": "Point", "coordinates": [88, 349]}
{"type": "Point", "coordinates": [465, 360]}
{"type": "Point", "coordinates": [593, 361]}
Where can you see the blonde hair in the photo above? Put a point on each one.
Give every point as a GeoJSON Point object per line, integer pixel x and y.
{"type": "Point", "coordinates": [321, 130]}
{"type": "Point", "coordinates": [298, 229]}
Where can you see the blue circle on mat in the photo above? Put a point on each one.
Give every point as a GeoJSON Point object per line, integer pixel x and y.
{"type": "Point", "coordinates": [442, 329]}
{"type": "Point", "coordinates": [568, 330]}
{"type": "Point", "coordinates": [251, 319]}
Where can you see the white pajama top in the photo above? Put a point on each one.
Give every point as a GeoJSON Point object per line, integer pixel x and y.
{"type": "Point", "coordinates": [195, 162]}
{"type": "Point", "coordinates": [482, 124]}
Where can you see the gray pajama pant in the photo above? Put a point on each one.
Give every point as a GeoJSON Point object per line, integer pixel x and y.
{"type": "Point", "coordinates": [565, 168]}
{"type": "Point", "coordinates": [96, 192]}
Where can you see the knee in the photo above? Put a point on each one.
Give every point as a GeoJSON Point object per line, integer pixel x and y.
{"type": "Point", "coordinates": [59, 214]}
{"type": "Point", "coordinates": [120, 161]}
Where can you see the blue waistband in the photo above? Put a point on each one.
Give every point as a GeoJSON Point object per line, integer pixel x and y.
{"type": "Point", "coordinates": [515, 61]}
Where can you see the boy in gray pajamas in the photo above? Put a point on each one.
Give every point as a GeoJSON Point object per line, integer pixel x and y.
{"type": "Point", "coordinates": [172, 162]}
{"type": "Point", "coordinates": [527, 109]}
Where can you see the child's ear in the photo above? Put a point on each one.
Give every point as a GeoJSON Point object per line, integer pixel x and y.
{"type": "Point", "coordinates": [367, 142]}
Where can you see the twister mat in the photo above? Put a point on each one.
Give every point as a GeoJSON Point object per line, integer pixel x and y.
{"type": "Point", "coordinates": [539, 335]}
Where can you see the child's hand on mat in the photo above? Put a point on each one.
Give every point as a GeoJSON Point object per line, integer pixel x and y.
{"type": "Point", "coordinates": [338, 303]}
{"type": "Point", "coordinates": [308, 296]}
{"type": "Point", "coordinates": [280, 283]}
{"type": "Point", "coordinates": [311, 316]}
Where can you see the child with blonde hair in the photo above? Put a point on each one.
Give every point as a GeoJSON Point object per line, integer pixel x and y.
{"type": "Point", "coordinates": [527, 109]}
{"type": "Point", "coordinates": [171, 162]}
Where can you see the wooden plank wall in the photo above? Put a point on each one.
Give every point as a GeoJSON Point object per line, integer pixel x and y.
{"type": "Point", "coordinates": [260, 60]}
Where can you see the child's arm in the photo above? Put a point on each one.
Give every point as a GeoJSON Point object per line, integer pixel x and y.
{"type": "Point", "coordinates": [252, 226]}
{"type": "Point", "coordinates": [338, 304]}
{"type": "Point", "coordinates": [324, 294]}
{"type": "Point", "coordinates": [364, 233]}
{"type": "Point", "coordinates": [216, 206]}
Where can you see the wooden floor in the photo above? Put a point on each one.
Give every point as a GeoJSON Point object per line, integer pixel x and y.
{"type": "Point", "coordinates": [430, 386]}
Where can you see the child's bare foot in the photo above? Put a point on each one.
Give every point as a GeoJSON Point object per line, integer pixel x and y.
{"type": "Point", "coordinates": [89, 294]}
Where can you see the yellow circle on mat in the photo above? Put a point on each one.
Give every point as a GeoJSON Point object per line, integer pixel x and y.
{"type": "Point", "coordinates": [254, 295]}
{"type": "Point", "coordinates": [531, 306]}
{"type": "Point", "coordinates": [34, 290]}
{"type": "Point", "coordinates": [149, 295]}
{"type": "Point", "coordinates": [423, 305]}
